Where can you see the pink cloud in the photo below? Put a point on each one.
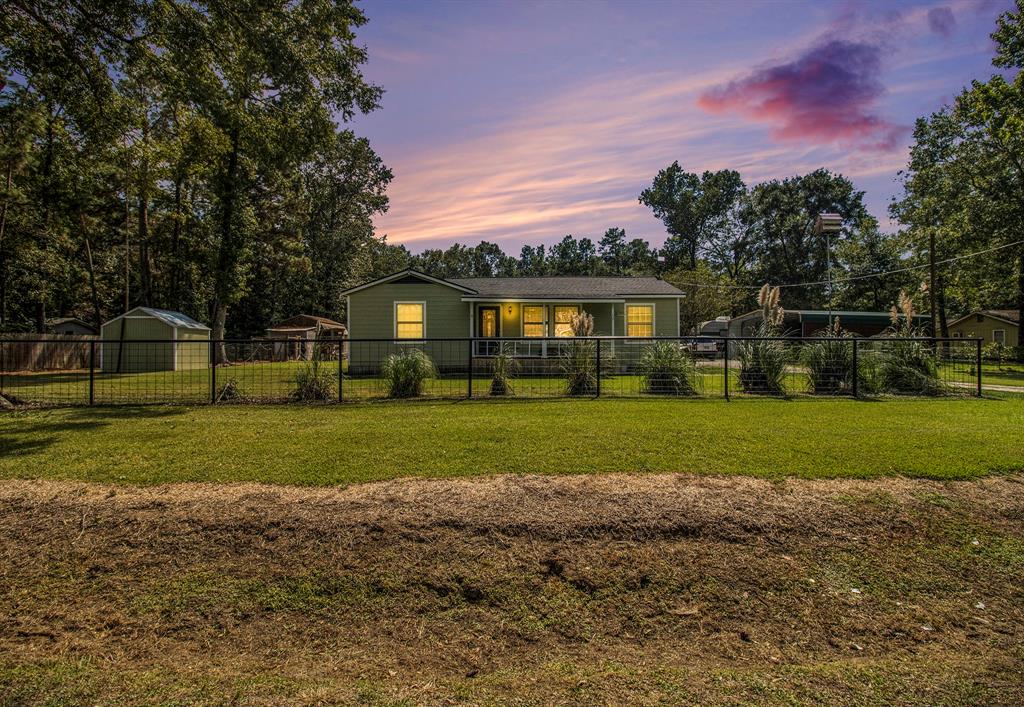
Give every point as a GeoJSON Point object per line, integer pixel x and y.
{"type": "Point", "coordinates": [826, 95]}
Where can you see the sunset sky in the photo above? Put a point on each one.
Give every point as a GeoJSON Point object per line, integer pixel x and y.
{"type": "Point", "coordinates": [520, 122]}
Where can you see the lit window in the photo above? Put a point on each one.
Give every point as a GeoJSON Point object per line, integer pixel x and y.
{"type": "Point", "coordinates": [409, 320]}
{"type": "Point", "coordinates": [639, 320]}
{"type": "Point", "coordinates": [563, 320]}
{"type": "Point", "coordinates": [533, 321]}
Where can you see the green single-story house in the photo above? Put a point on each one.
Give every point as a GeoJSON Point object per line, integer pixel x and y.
{"type": "Point", "coordinates": [413, 306]}
{"type": "Point", "coordinates": [993, 326]}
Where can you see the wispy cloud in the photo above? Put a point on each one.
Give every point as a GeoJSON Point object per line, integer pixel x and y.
{"type": "Point", "coordinates": [829, 93]}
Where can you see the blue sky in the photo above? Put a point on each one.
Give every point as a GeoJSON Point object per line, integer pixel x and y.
{"type": "Point", "coordinates": [520, 122]}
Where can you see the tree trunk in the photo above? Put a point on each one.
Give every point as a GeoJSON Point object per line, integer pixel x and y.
{"type": "Point", "coordinates": [941, 295]}
{"type": "Point", "coordinates": [40, 317]}
{"type": "Point", "coordinates": [96, 316]}
{"type": "Point", "coordinates": [3, 257]}
{"type": "Point", "coordinates": [175, 293]}
{"type": "Point", "coordinates": [227, 259]}
{"type": "Point", "coordinates": [145, 271]}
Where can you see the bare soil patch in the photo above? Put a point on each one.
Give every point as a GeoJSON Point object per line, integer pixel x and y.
{"type": "Point", "coordinates": [514, 589]}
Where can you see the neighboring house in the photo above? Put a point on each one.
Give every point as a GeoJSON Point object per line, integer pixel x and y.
{"type": "Point", "coordinates": [70, 326]}
{"type": "Point", "coordinates": [1001, 326]}
{"type": "Point", "coordinates": [294, 337]}
{"type": "Point", "coordinates": [147, 339]}
{"type": "Point", "coordinates": [808, 322]}
{"type": "Point", "coordinates": [411, 305]}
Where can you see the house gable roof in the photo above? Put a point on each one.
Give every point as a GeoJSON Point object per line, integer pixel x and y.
{"type": "Point", "coordinates": [553, 287]}
{"type": "Point", "coordinates": [559, 287]}
{"type": "Point", "coordinates": [411, 274]}
{"type": "Point", "coordinates": [1009, 316]}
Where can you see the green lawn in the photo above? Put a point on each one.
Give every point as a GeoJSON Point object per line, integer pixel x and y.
{"type": "Point", "coordinates": [940, 438]}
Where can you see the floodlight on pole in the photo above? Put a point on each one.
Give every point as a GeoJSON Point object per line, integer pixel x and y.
{"type": "Point", "coordinates": [828, 224]}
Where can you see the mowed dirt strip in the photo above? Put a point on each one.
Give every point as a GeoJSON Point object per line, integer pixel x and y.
{"type": "Point", "coordinates": [514, 589]}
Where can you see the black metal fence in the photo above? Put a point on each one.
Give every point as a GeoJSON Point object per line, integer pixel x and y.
{"type": "Point", "coordinates": [341, 370]}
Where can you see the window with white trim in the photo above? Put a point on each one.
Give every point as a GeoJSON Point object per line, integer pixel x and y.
{"type": "Point", "coordinates": [563, 320]}
{"type": "Point", "coordinates": [410, 320]}
{"type": "Point", "coordinates": [533, 320]}
{"type": "Point", "coordinates": [640, 320]}
{"type": "Point", "coordinates": [999, 336]}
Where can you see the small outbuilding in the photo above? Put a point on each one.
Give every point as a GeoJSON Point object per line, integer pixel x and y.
{"type": "Point", "coordinates": [147, 339]}
{"type": "Point", "coordinates": [70, 326]}
{"type": "Point", "coordinates": [294, 338]}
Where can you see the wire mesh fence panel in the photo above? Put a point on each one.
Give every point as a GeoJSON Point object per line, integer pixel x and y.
{"type": "Point", "coordinates": [402, 369]}
{"type": "Point", "coordinates": [151, 371]}
{"type": "Point", "coordinates": [45, 372]}
{"type": "Point", "coordinates": [332, 370]}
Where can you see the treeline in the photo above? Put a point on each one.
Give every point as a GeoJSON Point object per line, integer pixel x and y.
{"type": "Point", "coordinates": [187, 155]}
{"type": "Point", "coordinates": [724, 240]}
{"type": "Point", "coordinates": [194, 156]}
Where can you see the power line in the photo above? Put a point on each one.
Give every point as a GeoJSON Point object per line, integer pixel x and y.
{"type": "Point", "coordinates": [857, 277]}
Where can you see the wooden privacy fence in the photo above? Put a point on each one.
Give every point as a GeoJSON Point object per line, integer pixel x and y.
{"type": "Point", "coordinates": [44, 352]}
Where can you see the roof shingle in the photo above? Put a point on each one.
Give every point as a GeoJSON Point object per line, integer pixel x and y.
{"type": "Point", "coordinates": [567, 287]}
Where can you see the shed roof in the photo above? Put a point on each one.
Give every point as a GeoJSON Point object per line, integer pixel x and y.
{"type": "Point", "coordinates": [306, 321]}
{"type": "Point", "coordinates": [173, 319]}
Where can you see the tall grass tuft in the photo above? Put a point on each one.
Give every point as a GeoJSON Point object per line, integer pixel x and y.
{"type": "Point", "coordinates": [406, 372]}
{"type": "Point", "coordinates": [908, 367]}
{"type": "Point", "coordinates": [314, 383]}
{"type": "Point", "coordinates": [666, 368]}
{"type": "Point", "coordinates": [579, 358]}
{"type": "Point", "coordinates": [504, 369]}
{"type": "Point", "coordinates": [763, 359]}
{"type": "Point", "coordinates": [829, 361]}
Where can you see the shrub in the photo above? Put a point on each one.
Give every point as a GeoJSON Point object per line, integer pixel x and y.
{"type": "Point", "coordinates": [829, 361]}
{"type": "Point", "coordinates": [501, 377]}
{"type": "Point", "coordinates": [406, 372]}
{"type": "Point", "coordinates": [229, 391]}
{"type": "Point", "coordinates": [579, 358]}
{"type": "Point", "coordinates": [763, 359]}
{"type": "Point", "coordinates": [667, 368]}
{"type": "Point", "coordinates": [314, 383]}
{"type": "Point", "coordinates": [908, 366]}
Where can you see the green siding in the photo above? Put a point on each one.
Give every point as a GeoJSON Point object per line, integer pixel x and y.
{"type": "Point", "coordinates": [371, 312]}
{"type": "Point", "coordinates": [137, 357]}
{"type": "Point", "coordinates": [193, 349]}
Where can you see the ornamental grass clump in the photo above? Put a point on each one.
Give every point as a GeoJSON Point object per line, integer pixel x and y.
{"type": "Point", "coordinates": [908, 367]}
{"type": "Point", "coordinates": [504, 367]}
{"type": "Point", "coordinates": [314, 383]}
{"type": "Point", "coordinates": [579, 358]}
{"type": "Point", "coordinates": [763, 359]}
{"type": "Point", "coordinates": [405, 373]}
{"type": "Point", "coordinates": [829, 361]}
{"type": "Point", "coordinates": [666, 368]}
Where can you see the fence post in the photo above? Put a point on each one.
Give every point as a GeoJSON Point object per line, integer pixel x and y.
{"type": "Point", "coordinates": [92, 372]}
{"type": "Point", "coordinates": [725, 367]}
{"type": "Point", "coordinates": [977, 361]}
{"type": "Point", "coordinates": [469, 369]}
{"type": "Point", "coordinates": [598, 368]}
{"type": "Point", "coordinates": [213, 372]}
{"type": "Point", "coordinates": [856, 370]}
{"type": "Point", "coordinates": [341, 370]}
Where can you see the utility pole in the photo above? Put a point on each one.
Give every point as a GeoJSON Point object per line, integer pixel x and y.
{"type": "Point", "coordinates": [827, 224]}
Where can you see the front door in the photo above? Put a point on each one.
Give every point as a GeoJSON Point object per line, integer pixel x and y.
{"type": "Point", "coordinates": [488, 326]}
